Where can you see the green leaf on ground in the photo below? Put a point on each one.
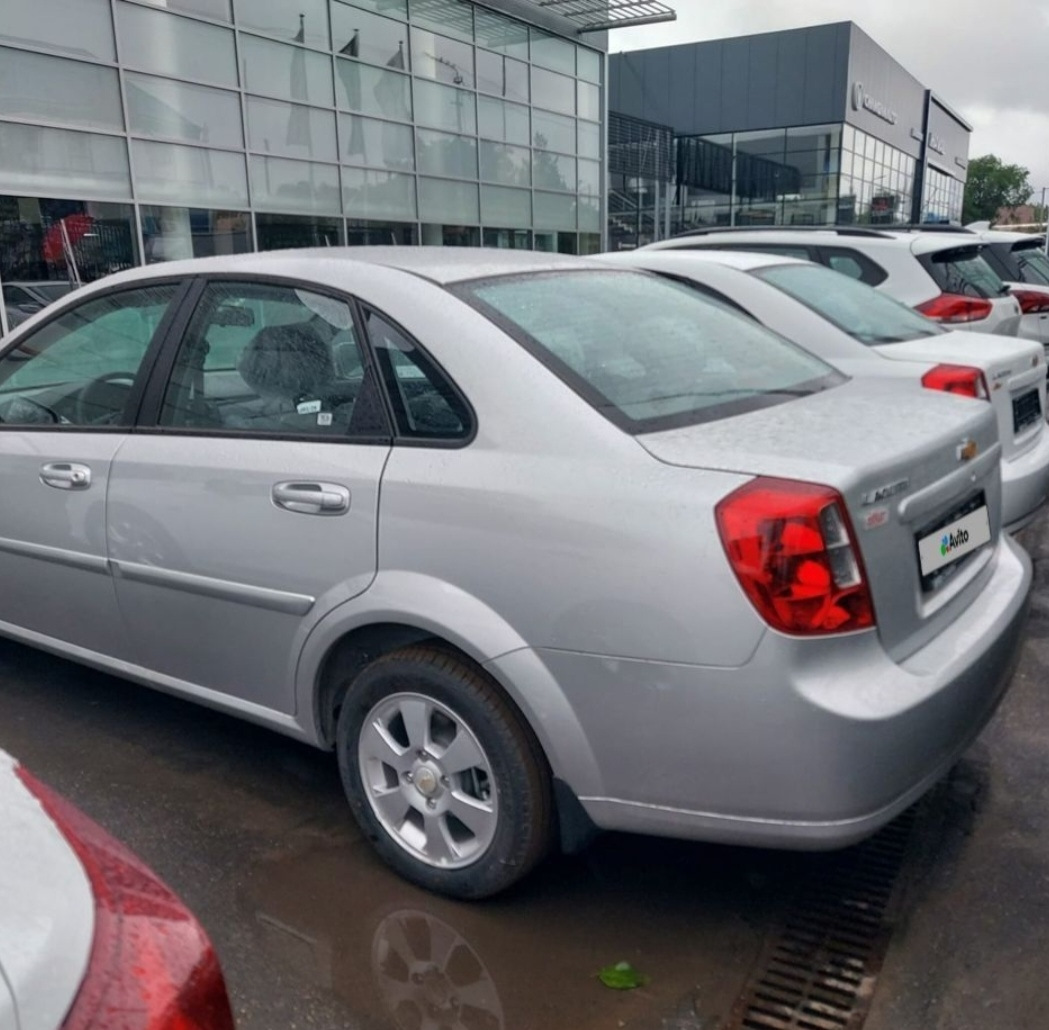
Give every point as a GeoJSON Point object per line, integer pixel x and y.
{"type": "Point", "coordinates": [622, 977]}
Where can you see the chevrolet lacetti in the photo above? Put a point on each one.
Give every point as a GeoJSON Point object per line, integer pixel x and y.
{"type": "Point", "coordinates": [536, 545]}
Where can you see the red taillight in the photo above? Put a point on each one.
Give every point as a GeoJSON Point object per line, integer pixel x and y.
{"type": "Point", "coordinates": [151, 966]}
{"type": "Point", "coordinates": [793, 550]}
{"type": "Point", "coordinates": [960, 379]}
{"type": "Point", "coordinates": [1031, 301]}
{"type": "Point", "coordinates": [951, 308]}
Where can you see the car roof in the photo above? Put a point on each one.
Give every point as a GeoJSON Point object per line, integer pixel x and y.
{"type": "Point", "coordinates": [744, 260]}
{"type": "Point", "coordinates": [442, 265]}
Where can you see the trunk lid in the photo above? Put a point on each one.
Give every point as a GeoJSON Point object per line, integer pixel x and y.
{"type": "Point", "coordinates": [1015, 373]}
{"type": "Point", "coordinates": [907, 462]}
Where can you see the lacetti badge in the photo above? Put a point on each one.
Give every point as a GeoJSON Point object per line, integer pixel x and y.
{"type": "Point", "coordinates": [951, 541]}
{"type": "Point", "coordinates": [862, 99]}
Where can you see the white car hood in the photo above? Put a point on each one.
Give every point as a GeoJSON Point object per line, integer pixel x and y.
{"type": "Point", "coordinates": [46, 912]}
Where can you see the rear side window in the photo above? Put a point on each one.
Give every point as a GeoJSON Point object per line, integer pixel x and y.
{"type": "Point", "coordinates": [853, 264]}
{"type": "Point", "coordinates": [857, 309]}
{"type": "Point", "coordinates": [963, 271]}
{"type": "Point", "coordinates": [648, 353]}
{"type": "Point", "coordinates": [426, 406]}
{"type": "Point", "coordinates": [1032, 265]}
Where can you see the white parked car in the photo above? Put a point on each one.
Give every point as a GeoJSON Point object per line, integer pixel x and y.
{"type": "Point", "coordinates": [1019, 259]}
{"type": "Point", "coordinates": [856, 328]}
{"type": "Point", "coordinates": [942, 274]}
{"type": "Point", "coordinates": [90, 939]}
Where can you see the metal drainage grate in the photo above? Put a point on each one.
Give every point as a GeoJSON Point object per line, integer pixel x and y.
{"type": "Point", "coordinates": [818, 971]}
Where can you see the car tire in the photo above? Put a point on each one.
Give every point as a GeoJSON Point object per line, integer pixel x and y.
{"type": "Point", "coordinates": [442, 773]}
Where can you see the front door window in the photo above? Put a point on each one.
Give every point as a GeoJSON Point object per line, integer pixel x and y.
{"type": "Point", "coordinates": [79, 369]}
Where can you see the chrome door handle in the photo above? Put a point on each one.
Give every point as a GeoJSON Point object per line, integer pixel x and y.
{"type": "Point", "coordinates": [66, 475]}
{"type": "Point", "coordinates": [312, 498]}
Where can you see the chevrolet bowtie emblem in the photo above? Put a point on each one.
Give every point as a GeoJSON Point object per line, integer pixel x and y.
{"type": "Point", "coordinates": [968, 450]}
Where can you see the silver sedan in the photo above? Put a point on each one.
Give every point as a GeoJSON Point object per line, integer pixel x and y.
{"type": "Point", "coordinates": [537, 546]}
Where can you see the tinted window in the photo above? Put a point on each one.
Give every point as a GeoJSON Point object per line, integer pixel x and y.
{"type": "Point", "coordinates": [268, 359]}
{"type": "Point", "coordinates": [425, 404]}
{"type": "Point", "coordinates": [1032, 265]}
{"type": "Point", "coordinates": [853, 264]}
{"type": "Point", "coordinates": [963, 271]}
{"type": "Point", "coordinates": [860, 310]}
{"type": "Point", "coordinates": [646, 352]}
{"type": "Point", "coordinates": [79, 369]}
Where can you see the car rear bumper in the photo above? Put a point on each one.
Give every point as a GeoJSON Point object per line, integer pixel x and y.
{"type": "Point", "coordinates": [811, 744]}
{"type": "Point", "coordinates": [1025, 484]}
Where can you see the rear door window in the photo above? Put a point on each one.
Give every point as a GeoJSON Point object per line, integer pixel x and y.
{"type": "Point", "coordinates": [648, 353]}
{"type": "Point", "coordinates": [263, 358]}
{"type": "Point", "coordinates": [963, 271]}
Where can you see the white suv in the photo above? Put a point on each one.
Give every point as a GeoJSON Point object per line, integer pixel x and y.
{"type": "Point", "coordinates": [1019, 259]}
{"type": "Point", "coordinates": [940, 273]}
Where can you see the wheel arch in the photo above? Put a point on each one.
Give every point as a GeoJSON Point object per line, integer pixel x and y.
{"type": "Point", "coordinates": [399, 610]}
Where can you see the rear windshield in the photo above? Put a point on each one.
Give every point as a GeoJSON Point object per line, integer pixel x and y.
{"type": "Point", "coordinates": [646, 352]}
{"type": "Point", "coordinates": [964, 272]}
{"type": "Point", "coordinates": [1032, 264]}
{"type": "Point", "coordinates": [857, 309]}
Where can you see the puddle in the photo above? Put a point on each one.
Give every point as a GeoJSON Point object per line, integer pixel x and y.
{"type": "Point", "coordinates": [686, 915]}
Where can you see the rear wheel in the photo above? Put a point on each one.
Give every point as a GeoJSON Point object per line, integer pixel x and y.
{"type": "Point", "coordinates": [442, 774]}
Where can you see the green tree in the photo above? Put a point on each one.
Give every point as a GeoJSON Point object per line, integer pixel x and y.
{"type": "Point", "coordinates": [992, 185]}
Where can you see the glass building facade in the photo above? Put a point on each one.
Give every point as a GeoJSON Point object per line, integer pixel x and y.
{"type": "Point", "coordinates": [810, 126]}
{"type": "Point", "coordinates": [809, 175]}
{"type": "Point", "coordinates": [136, 131]}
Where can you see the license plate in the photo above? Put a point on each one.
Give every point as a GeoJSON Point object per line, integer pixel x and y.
{"type": "Point", "coordinates": [1027, 410]}
{"type": "Point", "coordinates": [946, 545]}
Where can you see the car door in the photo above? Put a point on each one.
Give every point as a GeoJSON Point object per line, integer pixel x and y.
{"type": "Point", "coordinates": [246, 506]}
{"type": "Point", "coordinates": [68, 390]}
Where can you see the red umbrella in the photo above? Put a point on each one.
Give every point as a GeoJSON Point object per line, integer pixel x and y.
{"type": "Point", "coordinates": [76, 227]}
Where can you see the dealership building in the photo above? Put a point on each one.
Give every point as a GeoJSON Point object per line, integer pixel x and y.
{"type": "Point", "coordinates": [135, 131]}
{"type": "Point", "coordinates": [812, 126]}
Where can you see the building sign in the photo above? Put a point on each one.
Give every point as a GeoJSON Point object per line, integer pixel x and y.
{"type": "Point", "coordinates": [936, 145]}
{"type": "Point", "coordinates": [862, 99]}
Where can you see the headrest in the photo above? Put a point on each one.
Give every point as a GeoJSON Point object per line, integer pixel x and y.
{"type": "Point", "coordinates": [286, 361]}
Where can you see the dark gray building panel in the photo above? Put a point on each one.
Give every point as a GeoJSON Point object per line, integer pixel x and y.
{"type": "Point", "coordinates": [683, 88]}
{"type": "Point", "coordinates": [790, 77]}
{"type": "Point", "coordinates": [762, 66]}
{"type": "Point", "coordinates": [794, 77]}
{"type": "Point", "coordinates": [884, 99]}
{"type": "Point", "coordinates": [947, 141]}
{"type": "Point", "coordinates": [733, 110]}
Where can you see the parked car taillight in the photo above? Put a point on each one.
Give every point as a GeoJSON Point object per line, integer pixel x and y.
{"type": "Point", "coordinates": [952, 308]}
{"type": "Point", "coordinates": [793, 550]}
{"type": "Point", "coordinates": [1031, 301]}
{"type": "Point", "coordinates": [960, 379]}
{"type": "Point", "coordinates": [151, 965]}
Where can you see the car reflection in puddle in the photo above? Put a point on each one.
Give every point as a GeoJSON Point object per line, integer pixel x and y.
{"type": "Point", "coordinates": [430, 978]}
{"type": "Point", "coordinates": [691, 917]}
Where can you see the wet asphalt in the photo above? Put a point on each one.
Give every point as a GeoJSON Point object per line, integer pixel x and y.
{"type": "Point", "coordinates": [252, 831]}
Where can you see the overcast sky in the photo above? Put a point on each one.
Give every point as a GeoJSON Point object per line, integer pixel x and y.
{"type": "Point", "coordinates": [987, 58]}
